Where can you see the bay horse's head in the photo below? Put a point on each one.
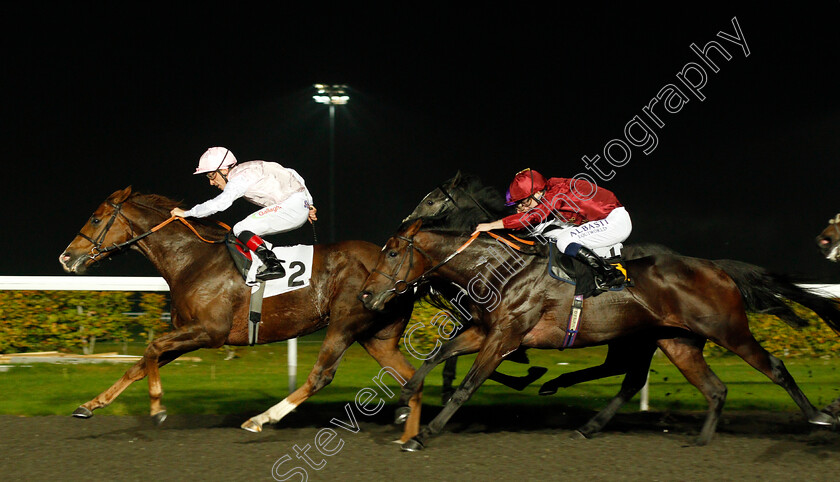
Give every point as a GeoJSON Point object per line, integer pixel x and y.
{"type": "Point", "coordinates": [398, 269]}
{"type": "Point", "coordinates": [829, 239]}
{"type": "Point", "coordinates": [106, 228]}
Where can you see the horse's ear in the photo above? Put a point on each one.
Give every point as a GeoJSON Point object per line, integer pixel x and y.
{"type": "Point", "coordinates": [414, 228]}
{"type": "Point", "coordinates": [120, 196]}
{"type": "Point", "coordinates": [456, 180]}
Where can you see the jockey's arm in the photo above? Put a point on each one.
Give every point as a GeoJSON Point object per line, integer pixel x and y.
{"type": "Point", "coordinates": [234, 189]}
{"type": "Point", "coordinates": [498, 224]}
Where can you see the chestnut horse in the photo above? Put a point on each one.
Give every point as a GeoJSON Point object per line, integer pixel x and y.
{"type": "Point", "coordinates": [210, 301]}
{"type": "Point", "coordinates": [678, 301]}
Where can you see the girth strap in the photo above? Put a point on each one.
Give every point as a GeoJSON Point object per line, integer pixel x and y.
{"type": "Point", "coordinates": [255, 314]}
{"type": "Point", "coordinates": [574, 322]}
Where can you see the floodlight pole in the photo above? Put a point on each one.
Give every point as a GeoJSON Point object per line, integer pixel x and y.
{"type": "Point", "coordinates": [331, 95]}
{"type": "Point", "coordinates": [331, 214]}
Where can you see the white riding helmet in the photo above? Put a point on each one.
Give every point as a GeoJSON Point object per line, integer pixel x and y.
{"type": "Point", "coordinates": [214, 159]}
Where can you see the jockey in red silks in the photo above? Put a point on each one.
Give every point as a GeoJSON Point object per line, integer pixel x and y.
{"type": "Point", "coordinates": [281, 193]}
{"type": "Point", "coordinates": [585, 221]}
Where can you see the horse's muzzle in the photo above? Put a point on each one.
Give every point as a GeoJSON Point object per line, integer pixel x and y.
{"type": "Point", "coordinates": [827, 247]}
{"type": "Point", "coordinates": [374, 302]}
{"type": "Point", "coordinates": [73, 263]}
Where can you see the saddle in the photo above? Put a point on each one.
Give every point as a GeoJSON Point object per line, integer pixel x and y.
{"type": "Point", "coordinates": [240, 254]}
{"type": "Point", "coordinates": [570, 270]}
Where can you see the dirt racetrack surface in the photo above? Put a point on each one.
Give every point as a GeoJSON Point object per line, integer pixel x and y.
{"type": "Point", "coordinates": [480, 443]}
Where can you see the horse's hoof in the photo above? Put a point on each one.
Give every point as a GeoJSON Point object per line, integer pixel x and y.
{"type": "Point", "coordinates": [412, 445]}
{"type": "Point", "coordinates": [578, 435]}
{"type": "Point", "coordinates": [159, 417]}
{"type": "Point", "coordinates": [401, 415]}
{"type": "Point", "coordinates": [82, 412]}
{"type": "Point", "coordinates": [823, 418]}
{"type": "Point", "coordinates": [251, 426]}
{"type": "Point", "coordinates": [547, 390]}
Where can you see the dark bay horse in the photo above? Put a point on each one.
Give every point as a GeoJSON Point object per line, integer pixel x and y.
{"type": "Point", "coordinates": [466, 191]}
{"type": "Point", "coordinates": [678, 301]}
{"type": "Point", "coordinates": [210, 301]}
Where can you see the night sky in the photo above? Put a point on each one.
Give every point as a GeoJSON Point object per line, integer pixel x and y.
{"type": "Point", "coordinates": [96, 99]}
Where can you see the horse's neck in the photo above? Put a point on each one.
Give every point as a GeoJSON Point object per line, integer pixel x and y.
{"type": "Point", "coordinates": [479, 260]}
{"type": "Point", "coordinates": [175, 251]}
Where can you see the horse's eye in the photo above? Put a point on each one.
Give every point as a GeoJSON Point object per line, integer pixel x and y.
{"type": "Point", "coordinates": [94, 221]}
{"type": "Point", "coordinates": [392, 254]}
{"type": "Point", "coordinates": [430, 202]}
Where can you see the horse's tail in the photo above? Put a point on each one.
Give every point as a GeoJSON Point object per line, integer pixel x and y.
{"type": "Point", "coordinates": [765, 292]}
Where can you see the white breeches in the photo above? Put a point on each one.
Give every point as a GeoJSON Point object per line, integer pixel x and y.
{"type": "Point", "coordinates": [277, 218]}
{"type": "Point", "coordinates": [599, 236]}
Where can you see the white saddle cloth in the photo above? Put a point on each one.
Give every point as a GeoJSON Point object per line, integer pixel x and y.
{"type": "Point", "coordinates": [297, 260]}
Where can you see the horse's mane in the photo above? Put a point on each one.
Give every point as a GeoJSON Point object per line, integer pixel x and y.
{"type": "Point", "coordinates": [489, 206]}
{"type": "Point", "coordinates": [163, 205]}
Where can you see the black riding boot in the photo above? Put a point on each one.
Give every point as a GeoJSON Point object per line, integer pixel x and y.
{"type": "Point", "coordinates": [607, 275]}
{"type": "Point", "coordinates": [272, 267]}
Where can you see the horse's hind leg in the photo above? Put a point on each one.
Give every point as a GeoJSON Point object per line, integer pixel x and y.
{"type": "Point", "coordinates": [388, 354]}
{"type": "Point", "coordinates": [636, 364]}
{"type": "Point", "coordinates": [745, 346]}
{"type": "Point", "coordinates": [332, 349]}
{"type": "Point", "coordinates": [687, 355]}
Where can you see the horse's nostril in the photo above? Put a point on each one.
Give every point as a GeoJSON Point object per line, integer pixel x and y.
{"type": "Point", "coordinates": [365, 295]}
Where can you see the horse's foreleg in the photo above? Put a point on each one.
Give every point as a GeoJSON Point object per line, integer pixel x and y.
{"type": "Point", "coordinates": [388, 354]}
{"type": "Point", "coordinates": [164, 349]}
{"type": "Point", "coordinates": [636, 368]}
{"type": "Point", "coordinates": [687, 355]}
{"type": "Point", "coordinates": [489, 357]}
{"type": "Point", "coordinates": [321, 375]}
{"type": "Point", "coordinates": [466, 342]}
{"type": "Point", "coordinates": [136, 372]}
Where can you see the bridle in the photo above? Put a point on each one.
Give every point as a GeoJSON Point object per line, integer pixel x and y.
{"type": "Point", "coordinates": [472, 198]}
{"type": "Point", "coordinates": [400, 284]}
{"type": "Point", "coordinates": [97, 250]}
{"type": "Point", "coordinates": [834, 222]}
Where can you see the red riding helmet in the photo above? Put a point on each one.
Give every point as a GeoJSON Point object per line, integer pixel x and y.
{"type": "Point", "coordinates": [524, 185]}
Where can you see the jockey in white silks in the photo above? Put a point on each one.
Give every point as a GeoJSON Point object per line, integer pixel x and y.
{"type": "Point", "coordinates": [281, 193]}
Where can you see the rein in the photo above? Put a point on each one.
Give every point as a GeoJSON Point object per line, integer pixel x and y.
{"type": "Point", "coordinates": [97, 250]}
{"type": "Point", "coordinates": [401, 285]}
